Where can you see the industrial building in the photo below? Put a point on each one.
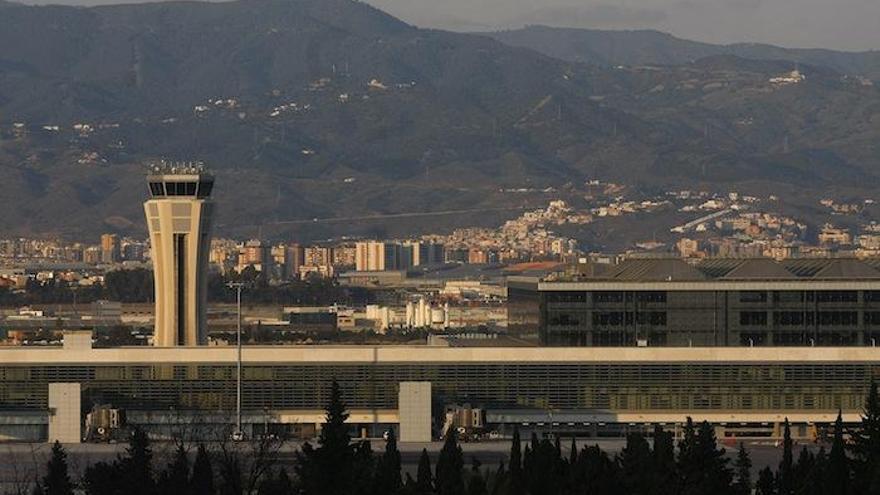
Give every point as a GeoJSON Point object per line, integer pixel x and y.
{"type": "Point", "coordinates": [716, 302]}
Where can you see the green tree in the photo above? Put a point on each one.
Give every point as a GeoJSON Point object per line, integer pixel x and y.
{"type": "Point", "coordinates": [636, 465]}
{"type": "Point", "coordinates": [329, 469]}
{"type": "Point", "coordinates": [477, 484]}
{"type": "Point", "coordinates": [743, 468]}
{"type": "Point", "coordinates": [175, 477]}
{"type": "Point", "coordinates": [664, 471]}
{"type": "Point", "coordinates": [102, 478]}
{"type": "Point", "coordinates": [802, 472]}
{"type": "Point", "coordinates": [688, 458]}
{"type": "Point", "coordinates": [837, 479]}
{"type": "Point", "coordinates": [766, 484]}
{"type": "Point", "coordinates": [866, 446]}
{"type": "Point", "coordinates": [202, 480]}
{"type": "Point", "coordinates": [785, 485]}
{"type": "Point", "coordinates": [388, 470]}
{"type": "Point", "coordinates": [136, 466]}
{"type": "Point", "coordinates": [448, 473]}
{"type": "Point", "coordinates": [424, 479]}
{"type": "Point", "coordinates": [517, 485]}
{"type": "Point", "coordinates": [57, 479]}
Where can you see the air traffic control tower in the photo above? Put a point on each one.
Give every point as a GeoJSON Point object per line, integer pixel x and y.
{"type": "Point", "coordinates": [179, 214]}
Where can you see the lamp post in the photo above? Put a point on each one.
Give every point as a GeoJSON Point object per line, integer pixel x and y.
{"type": "Point", "coordinates": [238, 434]}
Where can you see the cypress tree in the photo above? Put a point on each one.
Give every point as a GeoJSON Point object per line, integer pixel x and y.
{"type": "Point", "coordinates": [424, 479]}
{"type": "Point", "coordinates": [137, 465]}
{"type": "Point", "coordinates": [330, 468]}
{"type": "Point", "coordinates": [786, 485]}
{"type": "Point", "coordinates": [636, 465]}
{"type": "Point", "coordinates": [802, 472]}
{"type": "Point", "coordinates": [688, 459]}
{"type": "Point", "coordinates": [363, 469]}
{"type": "Point", "coordinates": [476, 484]}
{"type": "Point", "coordinates": [57, 479]}
{"type": "Point", "coordinates": [866, 446]}
{"type": "Point", "coordinates": [388, 478]}
{"type": "Point", "coordinates": [663, 467]}
{"type": "Point", "coordinates": [516, 464]}
{"type": "Point", "coordinates": [175, 477]}
{"type": "Point", "coordinates": [814, 484]}
{"type": "Point", "coordinates": [766, 484]}
{"type": "Point", "coordinates": [102, 478]}
{"type": "Point", "coordinates": [202, 480]}
{"type": "Point", "coordinates": [837, 479]}
{"type": "Point", "coordinates": [743, 468]}
{"type": "Point", "coordinates": [573, 454]}
{"type": "Point", "coordinates": [450, 463]}
{"type": "Point", "coordinates": [715, 476]}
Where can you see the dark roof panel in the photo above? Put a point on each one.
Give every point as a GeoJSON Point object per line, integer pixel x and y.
{"type": "Point", "coordinates": [758, 269]}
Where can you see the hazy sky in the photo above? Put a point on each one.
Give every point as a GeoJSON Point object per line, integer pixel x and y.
{"type": "Point", "coordinates": [838, 24]}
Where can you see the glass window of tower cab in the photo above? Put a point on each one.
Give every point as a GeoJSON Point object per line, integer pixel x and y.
{"type": "Point", "coordinates": [714, 302]}
{"type": "Point", "coordinates": [179, 214]}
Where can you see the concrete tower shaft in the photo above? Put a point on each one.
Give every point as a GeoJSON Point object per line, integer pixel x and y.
{"type": "Point", "coordinates": [179, 217]}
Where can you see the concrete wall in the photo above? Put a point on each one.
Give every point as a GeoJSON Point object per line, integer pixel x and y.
{"type": "Point", "coordinates": [65, 414]}
{"type": "Point", "coordinates": [414, 408]}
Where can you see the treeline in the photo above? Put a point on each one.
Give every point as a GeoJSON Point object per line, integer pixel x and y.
{"type": "Point", "coordinates": [136, 286]}
{"type": "Point", "coordinates": [338, 466]}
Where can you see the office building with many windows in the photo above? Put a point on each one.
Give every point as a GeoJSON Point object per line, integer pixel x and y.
{"type": "Point", "coordinates": [716, 302]}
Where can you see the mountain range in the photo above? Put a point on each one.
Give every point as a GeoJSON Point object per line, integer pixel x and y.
{"type": "Point", "coordinates": [309, 110]}
{"type": "Point", "coordinates": [649, 47]}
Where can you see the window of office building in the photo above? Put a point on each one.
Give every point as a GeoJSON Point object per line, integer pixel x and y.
{"type": "Point", "coordinates": [753, 296]}
{"type": "Point", "coordinates": [753, 318]}
{"type": "Point", "coordinates": [608, 318]}
{"type": "Point", "coordinates": [837, 296]}
{"type": "Point", "coordinates": [608, 297]}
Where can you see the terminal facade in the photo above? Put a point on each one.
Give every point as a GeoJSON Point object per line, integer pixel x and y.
{"type": "Point", "coordinates": [717, 302]}
{"type": "Point", "coordinates": [582, 390]}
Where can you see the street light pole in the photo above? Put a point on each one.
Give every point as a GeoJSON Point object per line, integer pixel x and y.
{"type": "Point", "coordinates": [238, 434]}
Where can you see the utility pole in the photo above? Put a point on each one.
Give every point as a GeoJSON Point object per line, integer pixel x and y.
{"type": "Point", "coordinates": [238, 435]}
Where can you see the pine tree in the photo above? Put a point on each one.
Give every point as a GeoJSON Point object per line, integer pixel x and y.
{"type": "Point", "coordinates": [388, 470]}
{"type": "Point", "coordinates": [766, 484]}
{"type": "Point", "coordinates": [688, 459]}
{"type": "Point", "coordinates": [786, 484]}
{"type": "Point", "coordinates": [202, 480]}
{"type": "Point", "coordinates": [136, 467]}
{"type": "Point", "coordinates": [814, 483]}
{"type": "Point", "coordinates": [450, 463]}
{"type": "Point", "coordinates": [330, 468]}
{"type": "Point", "coordinates": [363, 469]}
{"type": "Point", "coordinates": [837, 479]}
{"type": "Point", "coordinates": [802, 471]}
{"type": "Point", "coordinates": [476, 484]}
{"type": "Point", "coordinates": [715, 475]}
{"type": "Point", "coordinates": [635, 464]}
{"type": "Point", "coordinates": [663, 468]}
{"type": "Point", "coordinates": [102, 478]}
{"type": "Point", "coordinates": [516, 467]}
{"type": "Point", "coordinates": [57, 479]}
{"type": "Point", "coordinates": [424, 479]}
{"type": "Point", "coordinates": [175, 478]}
{"type": "Point", "coordinates": [866, 446]}
{"type": "Point", "coordinates": [743, 468]}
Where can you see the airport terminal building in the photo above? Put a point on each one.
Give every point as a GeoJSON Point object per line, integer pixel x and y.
{"type": "Point", "coordinates": [573, 390]}
{"type": "Point", "coordinates": [741, 343]}
{"type": "Point", "coordinates": [716, 302]}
